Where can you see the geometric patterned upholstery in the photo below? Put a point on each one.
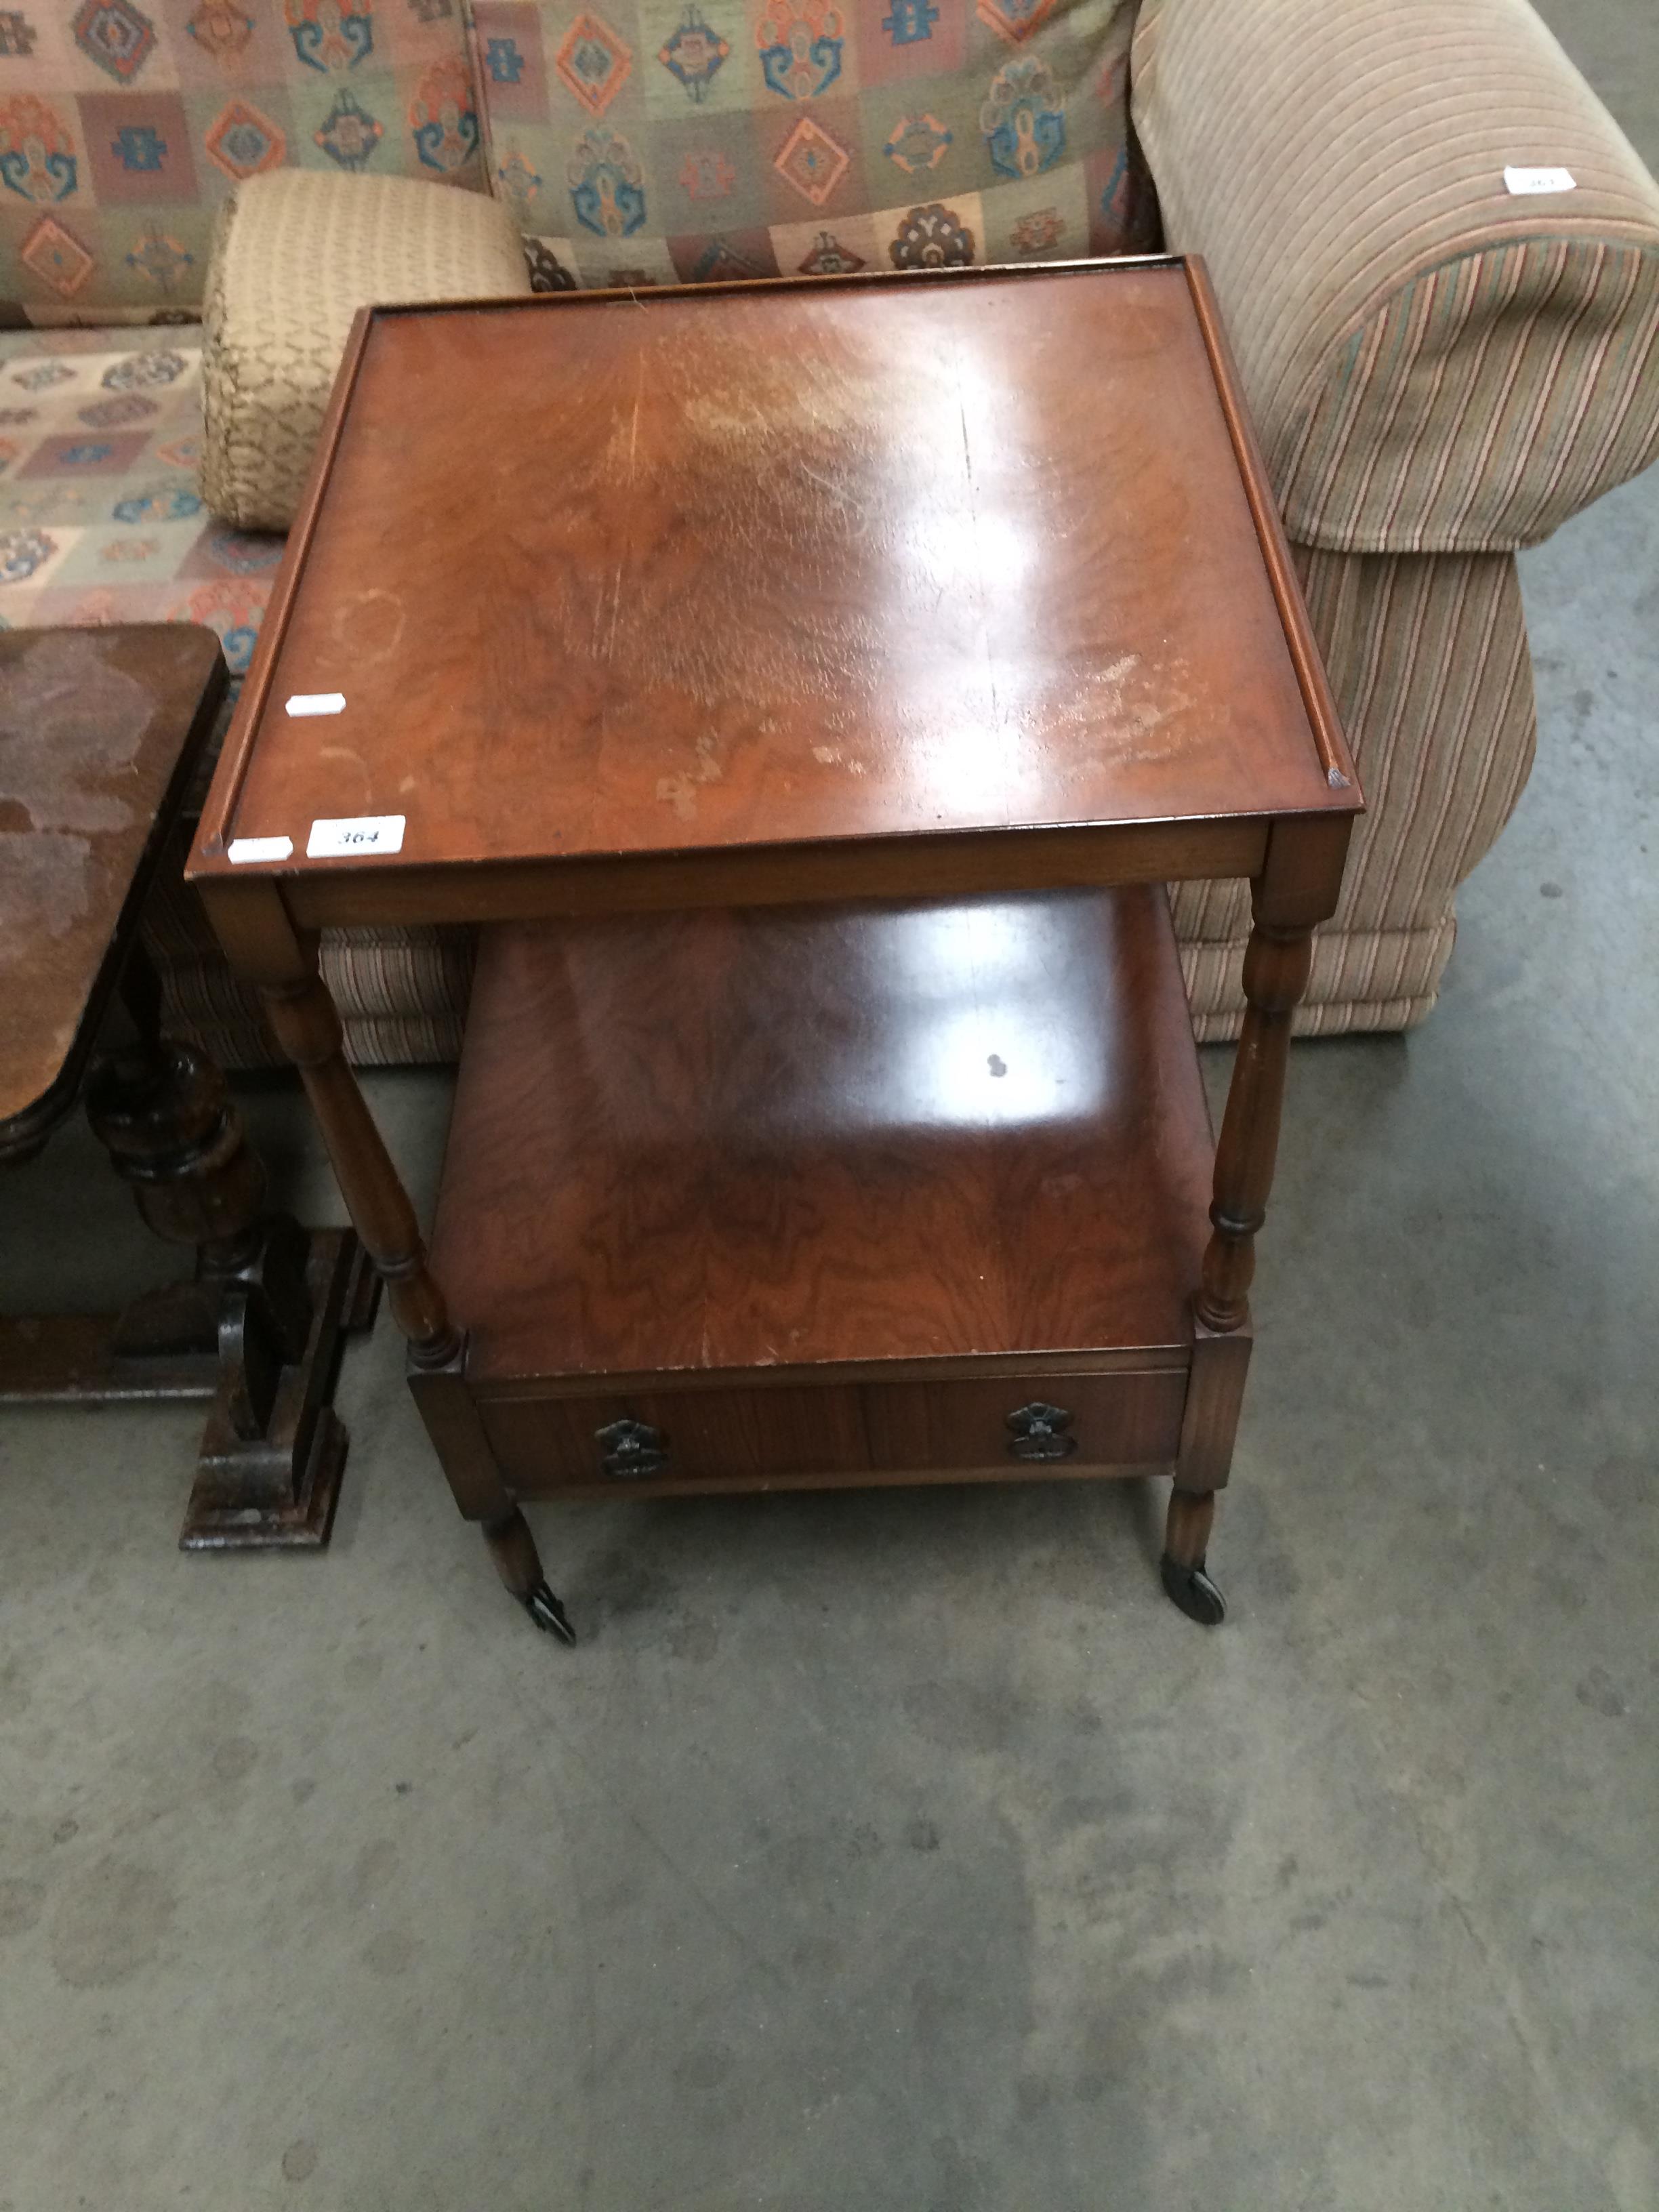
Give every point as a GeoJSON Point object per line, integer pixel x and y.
{"type": "Point", "coordinates": [295, 257]}
{"type": "Point", "coordinates": [672, 141]}
{"type": "Point", "coordinates": [100, 520]}
{"type": "Point", "coordinates": [124, 124]}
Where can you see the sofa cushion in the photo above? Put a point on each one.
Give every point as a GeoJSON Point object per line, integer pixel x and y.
{"type": "Point", "coordinates": [650, 141]}
{"type": "Point", "coordinates": [1436, 362]}
{"type": "Point", "coordinates": [100, 520]}
{"type": "Point", "coordinates": [124, 123]}
{"type": "Point", "coordinates": [295, 257]}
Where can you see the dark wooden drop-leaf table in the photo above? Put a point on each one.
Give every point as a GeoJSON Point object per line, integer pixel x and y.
{"type": "Point", "coordinates": [102, 734]}
{"type": "Point", "coordinates": [811, 687]}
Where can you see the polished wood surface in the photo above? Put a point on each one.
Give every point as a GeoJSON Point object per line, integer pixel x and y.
{"type": "Point", "coordinates": [831, 1434]}
{"type": "Point", "coordinates": [961, 588]}
{"type": "Point", "coordinates": [802, 565]}
{"type": "Point", "coordinates": [766, 1141]}
{"type": "Point", "coordinates": [770, 875]}
{"type": "Point", "coordinates": [99, 729]}
{"type": "Point", "coordinates": [1296, 891]}
{"type": "Point", "coordinates": [101, 733]}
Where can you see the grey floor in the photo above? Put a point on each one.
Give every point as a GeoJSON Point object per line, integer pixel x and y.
{"type": "Point", "coordinates": [908, 1852]}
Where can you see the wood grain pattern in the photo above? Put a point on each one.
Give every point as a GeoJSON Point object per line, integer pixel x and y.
{"type": "Point", "coordinates": [785, 1138]}
{"type": "Point", "coordinates": [1130, 1418]}
{"type": "Point", "coordinates": [829, 1432]}
{"type": "Point", "coordinates": [98, 730]}
{"type": "Point", "coordinates": [962, 588]}
{"type": "Point", "coordinates": [101, 732]}
{"type": "Point", "coordinates": [1329, 741]}
{"type": "Point", "coordinates": [1017, 859]}
{"type": "Point", "coordinates": [777, 592]}
{"type": "Point", "coordinates": [1215, 1398]}
{"type": "Point", "coordinates": [238, 748]}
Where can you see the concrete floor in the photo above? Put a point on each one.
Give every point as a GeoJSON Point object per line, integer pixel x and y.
{"type": "Point", "coordinates": [909, 1852]}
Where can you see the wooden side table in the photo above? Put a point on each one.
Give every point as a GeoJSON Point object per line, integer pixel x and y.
{"type": "Point", "coordinates": [816, 746]}
{"type": "Point", "coordinates": [100, 731]}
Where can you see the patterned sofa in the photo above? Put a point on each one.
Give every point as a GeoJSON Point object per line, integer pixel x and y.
{"type": "Point", "coordinates": [1447, 352]}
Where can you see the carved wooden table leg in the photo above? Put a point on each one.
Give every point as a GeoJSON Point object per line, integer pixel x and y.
{"type": "Point", "coordinates": [266, 1312]}
{"type": "Point", "coordinates": [307, 1027]}
{"type": "Point", "coordinates": [1297, 889]}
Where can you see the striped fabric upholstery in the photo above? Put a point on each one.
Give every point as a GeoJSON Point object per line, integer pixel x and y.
{"type": "Point", "coordinates": [401, 996]}
{"type": "Point", "coordinates": [1434, 364]}
{"type": "Point", "coordinates": [1428, 661]}
{"type": "Point", "coordinates": [402, 993]}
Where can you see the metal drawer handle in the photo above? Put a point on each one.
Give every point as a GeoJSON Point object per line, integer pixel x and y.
{"type": "Point", "coordinates": [1040, 1432]}
{"type": "Point", "coordinates": [631, 1451]}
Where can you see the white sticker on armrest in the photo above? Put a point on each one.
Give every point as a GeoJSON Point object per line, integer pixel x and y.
{"type": "Point", "coordinates": [258, 849]}
{"type": "Point", "coordinates": [317, 702]}
{"type": "Point", "coordinates": [1534, 180]}
{"type": "Point", "coordinates": [356, 833]}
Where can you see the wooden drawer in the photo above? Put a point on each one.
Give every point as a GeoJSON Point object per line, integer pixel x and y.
{"type": "Point", "coordinates": [822, 1435]}
{"type": "Point", "coordinates": [715, 1439]}
{"type": "Point", "coordinates": [1129, 1418]}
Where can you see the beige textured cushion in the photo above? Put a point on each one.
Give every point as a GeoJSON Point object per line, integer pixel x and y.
{"type": "Point", "coordinates": [296, 255]}
{"type": "Point", "coordinates": [1434, 364]}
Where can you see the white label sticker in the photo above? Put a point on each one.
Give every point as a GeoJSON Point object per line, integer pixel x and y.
{"type": "Point", "coordinates": [258, 849]}
{"type": "Point", "coordinates": [1541, 180]}
{"type": "Point", "coordinates": [356, 833]}
{"type": "Point", "coordinates": [317, 702]}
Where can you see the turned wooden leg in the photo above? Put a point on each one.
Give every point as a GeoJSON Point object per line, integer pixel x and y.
{"type": "Point", "coordinates": [450, 1413]}
{"type": "Point", "coordinates": [519, 1564]}
{"type": "Point", "coordinates": [1186, 1534]}
{"type": "Point", "coordinates": [262, 944]}
{"type": "Point", "coordinates": [1276, 967]}
{"type": "Point", "coordinates": [308, 1027]}
{"type": "Point", "coordinates": [163, 1112]}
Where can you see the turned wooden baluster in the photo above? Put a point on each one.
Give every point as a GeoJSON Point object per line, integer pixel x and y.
{"type": "Point", "coordinates": [308, 1027]}
{"type": "Point", "coordinates": [1297, 889]}
{"type": "Point", "coordinates": [165, 1114]}
{"type": "Point", "coordinates": [1276, 965]}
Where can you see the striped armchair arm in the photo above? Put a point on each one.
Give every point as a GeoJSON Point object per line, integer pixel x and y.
{"type": "Point", "coordinates": [1436, 361]}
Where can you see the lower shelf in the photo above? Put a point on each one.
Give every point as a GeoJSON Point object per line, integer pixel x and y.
{"type": "Point", "coordinates": [784, 1197]}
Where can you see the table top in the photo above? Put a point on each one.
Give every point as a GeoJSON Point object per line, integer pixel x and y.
{"type": "Point", "coordinates": [98, 730]}
{"type": "Point", "coordinates": [599, 576]}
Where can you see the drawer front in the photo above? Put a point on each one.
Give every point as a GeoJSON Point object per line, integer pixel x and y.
{"type": "Point", "coordinates": [654, 1440]}
{"type": "Point", "coordinates": [1029, 1425]}
{"type": "Point", "coordinates": [1019, 1428]}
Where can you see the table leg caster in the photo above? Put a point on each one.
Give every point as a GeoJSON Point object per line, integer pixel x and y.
{"type": "Point", "coordinates": [1185, 1536]}
{"type": "Point", "coordinates": [519, 1564]}
{"type": "Point", "coordinates": [545, 1610]}
{"type": "Point", "coordinates": [1191, 1588]}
